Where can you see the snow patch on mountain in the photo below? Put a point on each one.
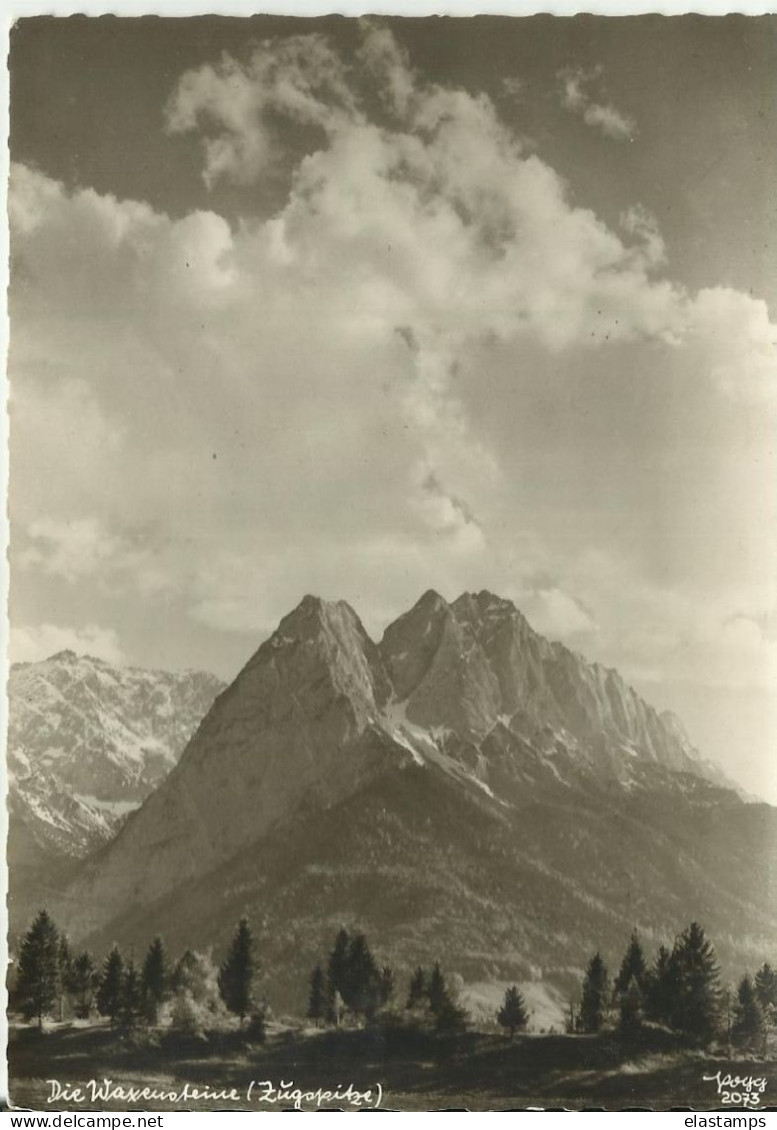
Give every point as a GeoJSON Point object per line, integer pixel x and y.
{"type": "Point", "coordinates": [87, 742]}
{"type": "Point", "coordinates": [425, 744]}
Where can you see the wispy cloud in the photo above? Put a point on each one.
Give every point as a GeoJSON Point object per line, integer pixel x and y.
{"type": "Point", "coordinates": [30, 644]}
{"type": "Point", "coordinates": [581, 94]}
{"type": "Point", "coordinates": [83, 548]}
{"type": "Point", "coordinates": [513, 87]}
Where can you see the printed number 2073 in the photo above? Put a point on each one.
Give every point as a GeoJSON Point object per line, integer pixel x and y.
{"type": "Point", "coordinates": [739, 1098]}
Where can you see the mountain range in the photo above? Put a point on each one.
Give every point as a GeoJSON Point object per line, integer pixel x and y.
{"type": "Point", "coordinates": [464, 790]}
{"type": "Point", "coordinates": [87, 742]}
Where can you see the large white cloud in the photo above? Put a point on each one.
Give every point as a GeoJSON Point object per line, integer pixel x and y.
{"type": "Point", "coordinates": [348, 396]}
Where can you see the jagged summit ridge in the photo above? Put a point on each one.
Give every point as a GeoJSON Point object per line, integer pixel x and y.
{"type": "Point", "coordinates": [466, 690]}
{"type": "Point", "coordinates": [477, 663]}
{"type": "Point", "coordinates": [462, 787]}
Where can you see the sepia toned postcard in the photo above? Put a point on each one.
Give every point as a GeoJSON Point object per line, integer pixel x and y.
{"type": "Point", "coordinates": [392, 693]}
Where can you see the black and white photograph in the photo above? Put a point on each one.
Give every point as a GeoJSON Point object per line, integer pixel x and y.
{"type": "Point", "coordinates": [392, 506]}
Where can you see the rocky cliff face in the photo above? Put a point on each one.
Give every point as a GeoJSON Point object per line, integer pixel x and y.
{"type": "Point", "coordinates": [466, 692]}
{"type": "Point", "coordinates": [476, 667]}
{"type": "Point", "coordinates": [299, 723]}
{"type": "Point", "coordinates": [87, 743]}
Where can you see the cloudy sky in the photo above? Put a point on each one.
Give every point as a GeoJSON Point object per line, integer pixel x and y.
{"type": "Point", "coordinates": [363, 308]}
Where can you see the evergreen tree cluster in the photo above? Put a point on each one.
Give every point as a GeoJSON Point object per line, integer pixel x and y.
{"type": "Point", "coordinates": [431, 993]}
{"type": "Point", "coordinates": [49, 977]}
{"type": "Point", "coordinates": [680, 990]}
{"type": "Point", "coordinates": [353, 982]}
{"type": "Point", "coordinates": [755, 1009]}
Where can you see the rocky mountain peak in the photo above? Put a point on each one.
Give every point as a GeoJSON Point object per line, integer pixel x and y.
{"type": "Point", "coordinates": [476, 665]}
{"type": "Point", "coordinates": [87, 742]}
{"type": "Point", "coordinates": [483, 604]}
{"type": "Point", "coordinates": [465, 691]}
{"type": "Point", "coordinates": [324, 644]}
{"type": "Point", "coordinates": [313, 615]}
{"type": "Point", "coordinates": [65, 656]}
{"type": "Point", "coordinates": [311, 607]}
{"type": "Point", "coordinates": [431, 602]}
{"type": "Point", "coordinates": [487, 616]}
{"type": "Point", "coordinates": [299, 725]}
{"type": "Point", "coordinates": [410, 643]}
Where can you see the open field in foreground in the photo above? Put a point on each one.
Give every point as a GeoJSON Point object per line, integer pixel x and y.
{"type": "Point", "coordinates": [415, 1069]}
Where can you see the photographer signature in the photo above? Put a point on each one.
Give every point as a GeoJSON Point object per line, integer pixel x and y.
{"type": "Point", "coordinates": [737, 1090]}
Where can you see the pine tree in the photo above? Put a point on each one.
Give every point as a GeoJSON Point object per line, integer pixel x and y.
{"type": "Point", "coordinates": [387, 984]}
{"type": "Point", "coordinates": [83, 982]}
{"type": "Point", "coordinates": [630, 1007]}
{"type": "Point", "coordinates": [131, 1002]}
{"type": "Point", "coordinates": [450, 1017]}
{"type": "Point", "coordinates": [437, 990]}
{"type": "Point", "coordinates": [38, 981]}
{"type": "Point", "coordinates": [361, 991]}
{"type": "Point", "coordinates": [109, 991]}
{"type": "Point", "coordinates": [154, 980]}
{"type": "Point", "coordinates": [317, 1002]}
{"type": "Point", "coordinates": [662, 986]}
{"type": "Point", "coordinates": [418, 991]}
{"type": "Point", "coordinates": [632, 967]}
{"type": "Point", "coordinates": [748, 1027]}
{"type": "Point", "coordinates": [595, 995]}
{"type": "Point", "coordinates": [697, 1004]}
{"type": "Point", "coordinates": [237, 974]}
{"type": "Point", "coordinates": [513, 1015]}
{"type": "Point", "coordinates": [337, 965]}
{"type": "Point", "coordinates": [110, 986]}
{"type": "Point", "coordinates": [765, 986]}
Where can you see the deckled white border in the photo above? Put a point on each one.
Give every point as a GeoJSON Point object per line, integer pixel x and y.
{"type": "Point", "coordinates": [407, 8]}
{"type": "Point", "coordinates": [4, 572]}
{"type": "Point", "coordinates": [16, 9]}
